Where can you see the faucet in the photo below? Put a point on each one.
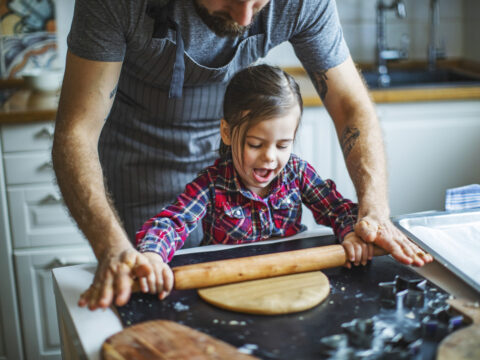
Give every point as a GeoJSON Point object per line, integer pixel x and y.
{"type": "Point", "coordinates": [383, 53]}
{"type": "Point", "coordinates": [434, 53]}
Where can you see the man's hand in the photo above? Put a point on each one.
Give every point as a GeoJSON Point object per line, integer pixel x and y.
{"type": "Point", "coordinates": [114, 278]}
{"type": "Point", "coordinates": [385, 235]}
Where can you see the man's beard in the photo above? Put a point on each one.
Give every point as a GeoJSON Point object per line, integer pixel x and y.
{"type": "Point", "coordinates": [221, 22]}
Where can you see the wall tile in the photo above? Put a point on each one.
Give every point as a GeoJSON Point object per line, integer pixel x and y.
{"type": "Point", "coordinates": [356, 11]}
{"type": "Point", "coordinates": [471, 41]}
{"type": "Point", "coordinates": [451, 9]}
{"type": "Point", "coordinates": [361, 41]}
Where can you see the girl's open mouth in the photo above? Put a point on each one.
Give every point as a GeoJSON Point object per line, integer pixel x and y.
{"type": "Point", "coordinates": [262, 175]}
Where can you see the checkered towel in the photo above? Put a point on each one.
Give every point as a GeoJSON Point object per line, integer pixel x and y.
{"type": "Point", "coordinates": [465, 197]}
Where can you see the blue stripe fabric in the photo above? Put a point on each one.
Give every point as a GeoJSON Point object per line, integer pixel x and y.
{"type": "Point", "coordinates": [464, 197]}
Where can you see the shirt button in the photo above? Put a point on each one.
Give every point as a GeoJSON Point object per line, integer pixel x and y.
{"type": "Point", "coordinates": [238, 212]}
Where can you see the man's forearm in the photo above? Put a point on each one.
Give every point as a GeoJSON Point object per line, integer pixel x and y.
{"type": "Point", "coordinates": [359, 134]}
{"type": "Point", "coordinates": [362, 146]}
{"type": "Point", "coordinates": [80, 179]}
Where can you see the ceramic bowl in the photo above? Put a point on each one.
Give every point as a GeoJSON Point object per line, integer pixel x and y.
{"type": "Point", "coordinates": [44, 80]}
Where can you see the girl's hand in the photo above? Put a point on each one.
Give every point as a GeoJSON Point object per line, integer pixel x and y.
{"type": "Point", "coordinates": [358, 251]}
{"type": "Point", "coordinates": [160, 280]}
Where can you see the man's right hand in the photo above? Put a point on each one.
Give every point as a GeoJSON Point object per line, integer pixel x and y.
{"type": "Point", "coordinates": [114, 278]}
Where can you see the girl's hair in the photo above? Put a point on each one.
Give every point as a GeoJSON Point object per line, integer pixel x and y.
{"type": "Point", "coordinates": [258, 93]}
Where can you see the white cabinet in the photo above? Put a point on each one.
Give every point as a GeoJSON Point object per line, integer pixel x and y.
{"type": "Point", "coordinates": [315, 142]}
{"type": "Point", "coordinates": [36, 297]}
{"type": "Point", "coordinates": [37, 234]}
{"type": "Point", "coordinates": [430, 147]}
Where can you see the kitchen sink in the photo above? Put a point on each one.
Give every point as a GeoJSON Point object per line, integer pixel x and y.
{"type": "Point", "coordinates": [421, 77]}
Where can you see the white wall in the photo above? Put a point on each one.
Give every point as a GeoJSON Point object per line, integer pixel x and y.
{"type": "Point", "coordinates": [63, 14]}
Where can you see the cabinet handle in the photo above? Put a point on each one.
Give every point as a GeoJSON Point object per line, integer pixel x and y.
{"type": "Point", "coordinates": [59, 262]}
{"type": "Point", "coordinates": [51, 199]}
{"type": "Point", "coordinates": [46, 131]}
{"type": "Point", "coordinates": [47, 165]}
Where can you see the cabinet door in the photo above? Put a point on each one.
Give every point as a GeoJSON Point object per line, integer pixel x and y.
{"type": "Point", "coordinates": [430, 147]}
{"type": "Point", "coordinates": [36, 297]}
{"type": "Point", "coordinates": [29, 168]}
{"type": "Point", "coordinates": [314, 143]}
{"type": "Point", "coordinates": [39, 217]}
{"type": "Point", "coordinates": [3, 354]}
{"type": "Point", "coordinates": [31, 137]}
{"type": "Point", "coordinates": [10, 335]}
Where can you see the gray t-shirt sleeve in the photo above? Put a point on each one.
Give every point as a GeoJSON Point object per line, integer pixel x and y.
{"type": "Point", "coordinates": [99, 30]}
{"type": "Point", "coordinates": [318, 40]}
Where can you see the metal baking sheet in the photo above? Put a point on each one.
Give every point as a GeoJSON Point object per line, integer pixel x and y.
{"type": "Point", "coordinates": [453, 238]}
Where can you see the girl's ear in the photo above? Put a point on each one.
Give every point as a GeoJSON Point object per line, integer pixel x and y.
{"type": "Point", "coordinates": [225, 132]}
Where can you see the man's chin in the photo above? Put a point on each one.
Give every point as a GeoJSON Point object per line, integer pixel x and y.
{"type": "Point", "coordinates": [220, 25]}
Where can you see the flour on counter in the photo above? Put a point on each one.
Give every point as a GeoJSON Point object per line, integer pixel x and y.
{"type": "Point", "coordinates": [247, 348]}
{"type": "Point", "coordinates": [180, 307]}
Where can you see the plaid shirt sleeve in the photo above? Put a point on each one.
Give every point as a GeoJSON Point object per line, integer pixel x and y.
{"type": "Point", "coordinates": [167, 231]}
{"type": "Point", "coordinates": [326, 203]}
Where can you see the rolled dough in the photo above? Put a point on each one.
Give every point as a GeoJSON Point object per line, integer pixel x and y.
{"type": "Point", "coordinates": [272, 296]}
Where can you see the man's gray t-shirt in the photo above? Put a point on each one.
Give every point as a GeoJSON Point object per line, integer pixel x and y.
{"type": "Point", "coordinates": [152, 145]}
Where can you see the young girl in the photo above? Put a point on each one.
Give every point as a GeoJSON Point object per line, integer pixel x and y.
{"type": "Point", "coordinates": [255, 190]}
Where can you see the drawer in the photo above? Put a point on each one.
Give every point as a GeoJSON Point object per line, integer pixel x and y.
{"type": "Point", "coordinates": [36, 296]}
{"type": "Point", "coordinates": [38, 136]}
{"type": "Point", "coordinates": [38, 217]}
{"type": "Point", "coordinates": [29, 168]}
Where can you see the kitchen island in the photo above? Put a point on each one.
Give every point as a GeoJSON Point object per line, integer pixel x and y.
{"type": "Point", "coordinates": [83, 331]}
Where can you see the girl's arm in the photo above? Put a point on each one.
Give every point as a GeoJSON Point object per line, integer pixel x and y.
{"type": "Point", "coordinates": [167, 231]}
{"type": "Point", "coordinates": [326, 203]}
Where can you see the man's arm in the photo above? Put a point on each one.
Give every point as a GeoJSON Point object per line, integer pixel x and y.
{"type": "Point", "coordinates": [348, 103]}
{"type": "Point", "coordinates": [88, 92]}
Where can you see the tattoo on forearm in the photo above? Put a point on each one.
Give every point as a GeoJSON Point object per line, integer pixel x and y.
{"type": "Point", "coordinates": [114, 91]}
{"type": "Point", "coordinates": [348, 140]}
{"type": "Point", "coordinates": [321, 83]}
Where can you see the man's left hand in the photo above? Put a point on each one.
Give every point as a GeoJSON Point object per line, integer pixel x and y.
{"type": "Point", "coordinates": [385, 235]}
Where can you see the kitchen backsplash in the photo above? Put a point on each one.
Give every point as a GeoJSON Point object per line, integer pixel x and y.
{"type": "Point", "coordinates": [459, 30]}
{"type": "Point", "coordinates": [30, 37]}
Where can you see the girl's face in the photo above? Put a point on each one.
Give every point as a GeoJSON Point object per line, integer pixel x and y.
{"type": "Point", "coordinates": [268, 145]}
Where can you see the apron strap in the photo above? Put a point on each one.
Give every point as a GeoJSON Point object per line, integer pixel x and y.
{"type": "Point", "coordinates": [163, 21]}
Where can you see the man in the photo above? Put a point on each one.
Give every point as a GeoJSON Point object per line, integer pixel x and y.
{"type": "Point", "coordinates": [140, 105]}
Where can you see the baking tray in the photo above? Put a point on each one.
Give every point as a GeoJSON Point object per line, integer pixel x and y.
{"type": "Point", "coordinates": [452, 237]}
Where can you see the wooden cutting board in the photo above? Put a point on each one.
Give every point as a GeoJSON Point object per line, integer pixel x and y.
{"type": "Point", "coordinates": [167, 340]}
{"type": "Point", "coordinates": [272, 296]}
{"type": "Point", "coordinates": [463, 344]}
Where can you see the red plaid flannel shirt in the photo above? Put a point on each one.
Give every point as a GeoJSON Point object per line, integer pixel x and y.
{"type": "Point", "coordinates": [232, 214]}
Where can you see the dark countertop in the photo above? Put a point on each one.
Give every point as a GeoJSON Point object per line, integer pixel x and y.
{"type": "Point", "coordinates": [355, 294]}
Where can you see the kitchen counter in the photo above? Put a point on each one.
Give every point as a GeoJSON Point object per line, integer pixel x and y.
{"type": "Point", "coordinates": [404, 93]}
{"type": "Point", "coordinates": [84, 331]}
{"type": "Point", "coordinates": [25, 105]}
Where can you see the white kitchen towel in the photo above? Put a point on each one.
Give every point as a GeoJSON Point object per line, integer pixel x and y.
{"type": "Point", "coordinates": [464, 197]}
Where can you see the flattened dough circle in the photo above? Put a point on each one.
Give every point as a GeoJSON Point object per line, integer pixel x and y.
{"type": "Point", "coordinates": [272, 296]}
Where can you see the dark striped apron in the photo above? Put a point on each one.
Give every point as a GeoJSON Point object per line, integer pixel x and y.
{"type": "Point", "coordinates": [152, 145]}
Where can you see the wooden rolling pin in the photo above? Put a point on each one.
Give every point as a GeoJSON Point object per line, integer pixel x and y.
{"type": "Point", "coordinates": [260, 266]}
